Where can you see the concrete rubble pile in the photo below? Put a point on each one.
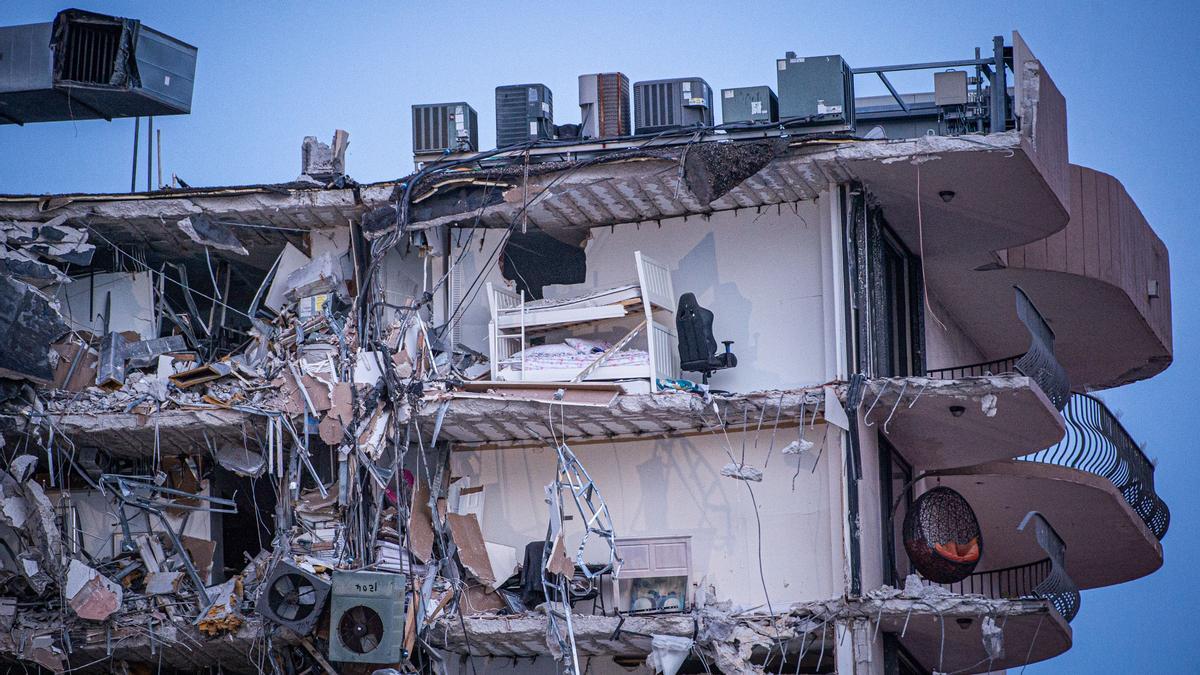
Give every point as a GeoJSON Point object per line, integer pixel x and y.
{"type": "Point", "coordinates": [293, 415]}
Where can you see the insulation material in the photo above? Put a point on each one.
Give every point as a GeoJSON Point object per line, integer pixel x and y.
{"type": "Point", "coordinates": [993, 638]}
{"type": "Point", "coordinates": [223, 615]}
{"type": "Point", "coordinates": [208, 231]}
{"type": "Point", "coordinates": [132, 306]}
{"type": "Point", "coordinates": [667, 653]}
{"type": "Point", "coordinates": [988, 405]}
{"type": "Point", "coordinates": [742, 472]}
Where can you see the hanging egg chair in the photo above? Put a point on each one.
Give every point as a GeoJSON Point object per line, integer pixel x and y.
{"type": "Point", "coordinates": [942, 537]}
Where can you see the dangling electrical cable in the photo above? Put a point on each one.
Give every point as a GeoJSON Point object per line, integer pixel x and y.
{"type": "Point", "coordinates": [921, 244]}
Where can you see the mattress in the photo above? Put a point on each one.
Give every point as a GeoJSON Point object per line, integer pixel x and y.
{"type": "Point", "coordinates": [594, 298]}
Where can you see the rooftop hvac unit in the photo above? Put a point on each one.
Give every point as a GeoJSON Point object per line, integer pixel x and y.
{"type": "Point", "coordinates": [660, 105]}
{"type": "Point", "coordinates": [524, 113]}
{"type": "Point", "coordinates": [444, 127]}
{"type": "Point", "coordinates": [92, 66]}
{"type": "Point", "coordinates": [815, 91]}
{"type": "Point", "coordinates": [293, 598]}
{"type": "Point", "coordinates": [366, 619]}
{"type": "Point", "coordinates": [604, 105]}
{"type": "Point", "coordinates": [749, 104]}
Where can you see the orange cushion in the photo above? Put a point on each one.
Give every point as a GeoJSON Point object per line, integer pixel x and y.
{"type": "Point", "coordinates": [959, 553]}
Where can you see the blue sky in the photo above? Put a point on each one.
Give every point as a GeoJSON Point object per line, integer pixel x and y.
{"type": "Point", "coordinates": [271, 73]}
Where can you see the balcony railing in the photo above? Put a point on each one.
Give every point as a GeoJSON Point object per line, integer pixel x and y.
{"type": "Point", "coordinates": [983, 369]}
{"type": "Point", "coordinates": [1038, 363]}
{"type": "Point", "coordinates": [1044, 579]}
{"type": "Point", "coordinates": [1097, 443]}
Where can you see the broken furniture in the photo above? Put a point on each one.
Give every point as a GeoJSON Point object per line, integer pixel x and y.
{"type": "Point", "coordinates": [942, 536]}
{"type": "Point", "coordinates": [655, 574]}
{"type": "Point", "coordinates": [697, 346]}
{"type": "Point", "coordinates": [516, 322]}
{"type": "Point", "coordinates": [581, 587]}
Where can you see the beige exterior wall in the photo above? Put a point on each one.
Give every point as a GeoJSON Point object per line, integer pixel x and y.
{"type": "Point", "coordinates": [674, 487]}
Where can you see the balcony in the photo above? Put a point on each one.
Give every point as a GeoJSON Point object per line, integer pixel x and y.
{"type": "Point", "coordinates": [940, 423]}
{"type": "Point", "coordinates": [1039, 362]}
{"type": "Point", "coordinates": [1044, 579]}
{"type": "Point", "coordinates": [1095, 485]}
{"type": "Point", "coordinates": [1097, 443]}
{"type": "Point", "coordinates": [1103, 284]}
{"type": "Point", "coordinates": [1031, 604]}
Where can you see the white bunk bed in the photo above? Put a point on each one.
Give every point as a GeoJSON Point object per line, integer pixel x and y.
{"type": "Point", "coordinates": [514, 321]}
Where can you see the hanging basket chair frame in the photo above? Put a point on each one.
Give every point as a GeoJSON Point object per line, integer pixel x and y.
{"type": "Point", "coordinates": [942, 536]}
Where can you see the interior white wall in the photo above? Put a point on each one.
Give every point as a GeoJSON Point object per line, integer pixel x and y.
{"type": "Point", "coordinates": [674, 487]}
{"type": "Point", "coordinates": [946, 344]}
{"type": "Point", "coordinates": [82, 303]}
{"type": "Point", "coordinates": [101, 528]}
{"type": "Point", "coordinates": [761, 274]}
{"type": "Point", "coordinates": [870, 508]}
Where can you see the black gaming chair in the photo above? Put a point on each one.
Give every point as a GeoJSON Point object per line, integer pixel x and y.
{"type": "Point", "coordinates": [697, 346]}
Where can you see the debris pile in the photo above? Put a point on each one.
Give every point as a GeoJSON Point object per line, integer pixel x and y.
{"type": "Point", "coordinates": [147, 417]}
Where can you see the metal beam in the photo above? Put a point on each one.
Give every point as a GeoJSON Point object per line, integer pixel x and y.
{"type": "Point", "coordinates": [999, 88]}
{"type": "Point", "coordinates": [888, 83]}
{"type": "Point", "coordinates": [931, 65]}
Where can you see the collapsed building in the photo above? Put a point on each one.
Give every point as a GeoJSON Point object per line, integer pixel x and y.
{"type": "Point", "coordinates": [441, 424]}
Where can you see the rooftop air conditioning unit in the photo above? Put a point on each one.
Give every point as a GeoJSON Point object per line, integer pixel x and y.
{"type": "Point", "coordinates": [92, 66]}
{"type": "Point", "coordinates": [366, 618]}
{"type": "Point", "coordinates": [749, 104]}
{"type": "Point", "coordinates": [444, 127]}
{"type": "Point", "coordinates": [604, 105]}
{"type": "Point", "coordinates": [661, 105]}
{"type": "Point", "coordinates": [815, 91]}
{"type": "Point", "coordinates": [524, 113]}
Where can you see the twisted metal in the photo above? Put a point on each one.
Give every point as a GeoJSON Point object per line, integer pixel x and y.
{"type": "Point", "coordinates": [1097, 443]}
{"type": "Point", "coordinates": [1044, 579]}
{"type": "Point", "coordinates": [1057, 587]}
{"type": "Point", "coordinates": [1039, 362]}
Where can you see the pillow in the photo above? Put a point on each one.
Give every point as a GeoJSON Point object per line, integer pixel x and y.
{"type": "Point", "coordinates": [553, 349]}
{"type": "Point", "coordinates": [583, 346]}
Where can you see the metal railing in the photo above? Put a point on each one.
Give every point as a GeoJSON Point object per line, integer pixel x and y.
{"type": "Point", "coordinates": [1045, 579]}
{"type": "Point", "coordinates": [1000, 367]}
{"type": "Point", "coordinates": [1011, 583]}
{"type": "Point", "coordinates": [1038, 363]}
{"type": "Point", "coordinates": [1096, 442]}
